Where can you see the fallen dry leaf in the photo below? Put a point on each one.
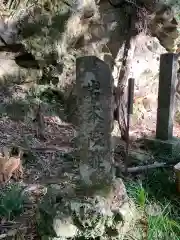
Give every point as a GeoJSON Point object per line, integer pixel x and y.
{"type": "Point", "coordinates": [10, 167]}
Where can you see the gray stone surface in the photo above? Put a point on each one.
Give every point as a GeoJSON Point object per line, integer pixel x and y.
{"type": "Point", "coordinates": [65, 228]}
{"type": "Point", "coordinates": [95, 107]}
{"type": "Point", "coordinates": [166, 96]}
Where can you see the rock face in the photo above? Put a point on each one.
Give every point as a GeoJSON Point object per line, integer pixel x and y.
{"type": "Point", "coordinates": [145, 63]}
{"type": "Point", "coordinates": [108, 28]}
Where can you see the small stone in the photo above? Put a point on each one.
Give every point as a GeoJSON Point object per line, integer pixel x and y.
{"type": "Point", "coordinates": [64, 228]}
{"type": "Point", "coordinates": [125, 211]}
{"type": "Point", "coordinates": [128, 213]}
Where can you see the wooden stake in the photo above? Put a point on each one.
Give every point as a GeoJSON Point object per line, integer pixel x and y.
{"type": "Point", "coordinates": [129, 112]}
{"type": "Point", "coordinates": [177, 173]}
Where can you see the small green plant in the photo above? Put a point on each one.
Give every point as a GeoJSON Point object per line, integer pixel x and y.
{"type": "Point", "coordinates": [11, 202]}
{"type": "Point", "coordinates": [159, 204]}
{"type": "Point", "coordinates": [138, 193]}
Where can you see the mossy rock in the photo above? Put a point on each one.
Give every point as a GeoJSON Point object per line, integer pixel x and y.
{"type": "Point", "coordinates": [85, 217]}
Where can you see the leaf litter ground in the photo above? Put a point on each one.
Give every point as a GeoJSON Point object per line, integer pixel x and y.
{"type": "Point", "coordinates": [45, 162]}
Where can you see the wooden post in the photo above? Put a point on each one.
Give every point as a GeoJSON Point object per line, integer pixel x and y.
{"type": "Point", "coordinates": [94, 84]}
{"type": "Point", "coordinates": [177, 174]}
{"type": "Point", "coordinates": [166, 96]}
{"type": "Point", "coordinates": [129, 112]}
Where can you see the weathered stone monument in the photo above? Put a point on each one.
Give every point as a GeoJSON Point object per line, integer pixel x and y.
{"type": "Point", "coordinates": [164, 140]}
{"type": "Point", "coordinates": [97, 207]}
{"type": "Point", "coordinates": [166, 96]}
{"type": "Point", "coordinates": [95, 103]}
